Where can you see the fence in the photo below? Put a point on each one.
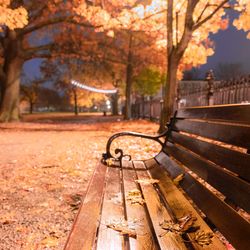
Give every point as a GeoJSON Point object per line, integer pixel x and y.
{"type": "Point", "coordinates": [198, 93]}
{"type": "Point", "coordinates": [147, 109]}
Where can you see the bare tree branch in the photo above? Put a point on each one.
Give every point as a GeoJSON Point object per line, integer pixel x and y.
{"type": "Point", "coordinates": [170, 26]}
{"type": "Point", "coordinates": [40, 25]}
{"type": "Point", "coordinates": [154, 14]}
{"type": "Point", "coordinates": [38, 51]}
{"type": "Point", "coordinates": [200, 23]}
{"type": "Point", "coordinates": [200, 16]}
{"type": "Point", "coordinates": [38, 13]}
{"type": "Point", "coordinates": [115, 61]}
{"type": "Point", "coordinates": [189, 22]}
{"type": "Point", "coordinates": [40, 48]}
{"type": "Point", "coordinates": [55, 20]}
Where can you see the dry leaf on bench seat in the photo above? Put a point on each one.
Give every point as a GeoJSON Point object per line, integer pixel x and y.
{"type": "Point", "coordinates": [147, 181]}
{"type": "Point", "coordinates": [123, 227]}
{"type": "Point", "coordinates": [134, 196]}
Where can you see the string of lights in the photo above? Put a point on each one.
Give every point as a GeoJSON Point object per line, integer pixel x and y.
{"type": "Point", "coordinates": [84, 86]}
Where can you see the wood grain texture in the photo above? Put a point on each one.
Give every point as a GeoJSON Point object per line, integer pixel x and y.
{"type": "Point", "coordinates": [234, 161]}
{"type": "Point", "coordinates": [83, 233]}
{"type": "Point", "coordinates": [231, 186]}
{"type": "Point", "coordinates": [158, 213]}
{"type": "Point", "coordinates": [180, 205]}
{"type": "Point", "coordinates": [112, 211]}
{"type": "Point", "coordinates": [236, 113]}
{"type": "Point", "coordinates": [232, 134]}
{"type": "Point", "coordinates": [228, 221]}
{"type": "Point", "coordinates": [145, 240]}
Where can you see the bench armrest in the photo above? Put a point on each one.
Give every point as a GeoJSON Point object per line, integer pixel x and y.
{"type": "Point", "coordinates": [119, 152]}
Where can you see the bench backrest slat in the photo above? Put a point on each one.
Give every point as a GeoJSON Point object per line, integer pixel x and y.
{"type": "Point", "coordinates": [229, 185]}
{"type": "Point", "coordinates": [232, 160]}
{"type": "Point", "coordinates": [227, 220]}
{"type": "Point", "coordinates": [237, 112]}
{"type": "Point", "coordinates": [231, 134]}
{"type": "Point", "coordinates": [214, 144]}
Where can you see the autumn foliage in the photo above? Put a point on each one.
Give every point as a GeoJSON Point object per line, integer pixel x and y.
{"type": "Point", "coordinates": [12, 18]}
{"type": "Point", "coordinates": [243, 22]}
{"type": "Point", "coordinates": [127, 36]}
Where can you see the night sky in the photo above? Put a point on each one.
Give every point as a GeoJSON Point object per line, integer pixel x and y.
{"type": "Point", "coordinates": [231, 46]}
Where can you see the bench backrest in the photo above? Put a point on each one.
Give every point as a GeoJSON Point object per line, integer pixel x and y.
{"type": "Point", "coordinates": [214, 144]}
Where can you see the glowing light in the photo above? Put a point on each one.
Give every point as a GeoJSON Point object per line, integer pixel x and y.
{"type": "Point", "coordinates": [92, 89]}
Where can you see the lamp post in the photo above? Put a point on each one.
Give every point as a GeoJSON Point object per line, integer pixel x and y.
{"type": "Point", "coordinates": [210, 87]}
{"type": "Point", "coordinates": [161, 104]}
{"type": "Point", "coordinates": [74, 90]}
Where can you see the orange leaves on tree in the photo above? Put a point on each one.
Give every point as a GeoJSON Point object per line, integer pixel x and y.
{"type": "Point", "coordinates": [243, 22]}
{"type": "Point", "coordinates": [150, 17]}
{"type": "Point", "coordinates": [12, 18]}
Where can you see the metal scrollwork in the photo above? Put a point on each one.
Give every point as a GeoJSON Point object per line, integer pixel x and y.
{"type": "Point", "coordinates": [119, 155]}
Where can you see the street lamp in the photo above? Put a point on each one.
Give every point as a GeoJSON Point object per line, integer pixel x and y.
{"type": "Point", "coordinates": [108, 103]}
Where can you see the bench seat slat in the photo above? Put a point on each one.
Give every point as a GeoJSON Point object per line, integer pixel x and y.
{"type": "Point", "coordinates": [179, 203]}
{"type": "Point", "coordinates": [145, 239]}
{"type": "Point", "coordinates": [234, 161]}
{"type": "Point", "coordinates": [232, 134]}
{"type": "Point", "coordinates": [238, 112]}
{"type": "Point", "coordinates": [112, 210]}
{"type": "Point", "coordinates": [228, 221]}
{"type": "Point", "coordinates": [158, 213]}
{"type": "Point", "coordinates": [238, 190]}
{"type": "Point", "coordinates": [83, 233]}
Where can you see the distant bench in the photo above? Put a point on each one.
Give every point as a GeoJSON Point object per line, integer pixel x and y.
{"type": "Point", "coordinates": [178, 211]}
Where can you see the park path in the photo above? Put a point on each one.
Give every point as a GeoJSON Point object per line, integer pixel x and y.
{"type": "Point", "coordinates": [46, 163]}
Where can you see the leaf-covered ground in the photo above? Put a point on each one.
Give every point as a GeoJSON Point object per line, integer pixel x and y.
{"type": "Point", "coordinates": [46, 163]}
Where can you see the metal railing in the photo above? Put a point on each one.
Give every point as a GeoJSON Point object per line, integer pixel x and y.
{"type": "Point", "coordinates": [198, 93]}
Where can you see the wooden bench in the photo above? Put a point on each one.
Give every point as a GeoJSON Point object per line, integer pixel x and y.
{"type": "Point", "coordinates": [203, 171]}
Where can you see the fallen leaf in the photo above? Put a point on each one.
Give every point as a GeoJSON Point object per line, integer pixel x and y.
{"type": "Point", "coordinates": [134, 196]}
{"type": "Point", "coordinates": [183, 225]}
{"type": "Point", "coordinates": [203, 238]}
{"type": "Point", "coordinates": [50, 241]}
{"type": "Point", "coordinates": [123, 228]}
{"type": "Point", "coordinates": [147, 181]}
{"type": "Point", "coordinates": [178, 179]}
{"type": "Point", "coordinates": [186, 222]}
{"type": "Point", "coordinates": [134, 192]}
{"type": "Point", "coordinates": [50, 166]}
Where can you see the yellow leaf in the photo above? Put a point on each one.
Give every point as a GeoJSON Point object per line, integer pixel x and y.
{"type": "Point", "coordinates": [147, 181]}
{"type": "Point", "coordinates": [177, 179]}
{"type": "Point", "coordinates": [50, 241]}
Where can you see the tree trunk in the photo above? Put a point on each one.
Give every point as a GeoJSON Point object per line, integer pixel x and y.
{"type": "Point", "coordinates": [175, 53]}
{"type": "Point", "coordinates": [115, 104]}
{"type": "Point", "coordinates": [143, 106]}
{"type": "Point", "coordinates": [169, 94]}
{"type": "Point", "coordinates": [75, 102]}
{"type": "Point", "coordinates": [31, 107]}
{"type": "Point", "coordinates": [13, 62]}
{"type": "Point", "coordinates": [10, 91]}
{"type": "Point", "coordinates": [129, 72]}
{"type": "Point", "coordinates": [2, 81]}
{"type": "Point", "coordinates": [128, 93]}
